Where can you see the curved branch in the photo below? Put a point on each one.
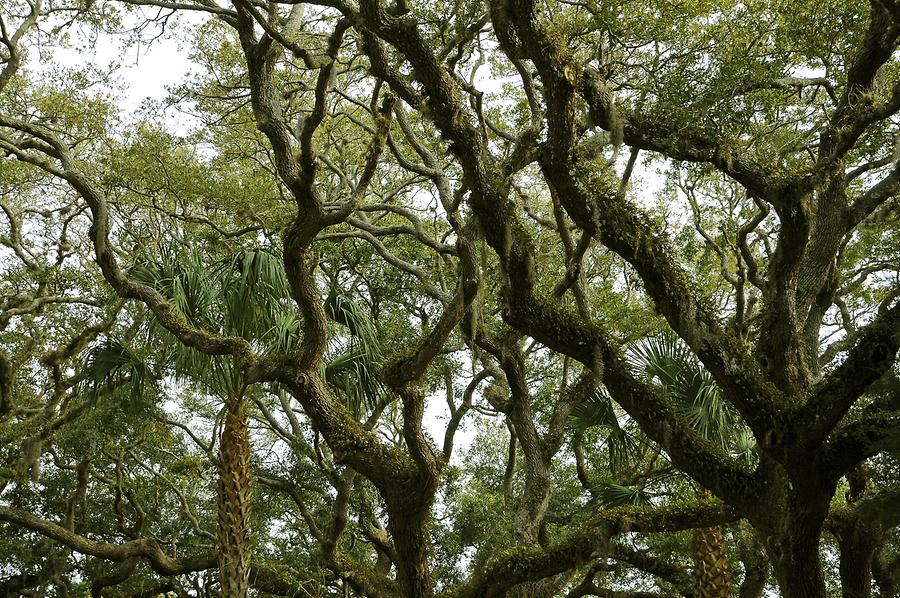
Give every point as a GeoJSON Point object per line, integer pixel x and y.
{"type": "Point", "coordinates": [144, 548]}
{"type": "Point", "coordinates": [855, 112]}
{"type": "Point", "coordinates": [205, 341]}
{"type": "Point", "coordinates": [860, 439]}
{"type": "Point", "coordinates": [11, 41]}
{"type": "Point", "coordinates": [789, 84]}
{"type": "Point", "coordinates": [875, 196]}
{"type": "Point", "coordinates": [689, 144]}
{"type": "Point", "coordinates": [532, 563]}
{"type": "Point", "coordinates": [874, 353]}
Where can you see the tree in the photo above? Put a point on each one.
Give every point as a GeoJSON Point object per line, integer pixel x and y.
{"type": "Point", "coordinates": [506, 255]}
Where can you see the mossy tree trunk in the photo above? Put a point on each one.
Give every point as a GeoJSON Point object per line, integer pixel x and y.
{"type": "Point", "coordinates": [857, 548]}
{"type": "Point", "coordinates": [792, 527]}
{"type": "Point", "coordinates": [796, 564]}
{"type": "Point", "coordinates": [408, 519]}
{"type": "Point", "coordinates": [755, 564]}
{"type": "Point", "coordinates": [860, 528]}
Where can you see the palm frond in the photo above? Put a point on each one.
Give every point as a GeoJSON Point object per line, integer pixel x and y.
{"type": "Point", "coordinates": [743, 445]}
{"type": "Point", "coordinates": [286, 333]}
{"type": "Point", "coordinates": [707, 413]}
{"type": "Point", "coordinates": [354, 361]}
{"type": "Point", "coordinates": [354, 376]}
{"type": "Point", "coordinates": [341, 308]}
{"type": "Point", "coordinates": [254, 291]}
{"type": "Point", "coordinates": [623, 450]}
{"type": "Point", "coordinates": [609, 495]}
{"type": "Point", "coordinates": [662, 358]}
{"type": "Point", "coordinates": [666, 360]}
{"type": "Point", "coordinates": [183, 278]}
{"type": "Point", "coordinates": [111, 365]}
{"type": "Point", "coordinates": [596, 411]}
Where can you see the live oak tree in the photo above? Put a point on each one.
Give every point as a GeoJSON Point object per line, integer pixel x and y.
{"type": "Point", "coordinates": [220, 336]}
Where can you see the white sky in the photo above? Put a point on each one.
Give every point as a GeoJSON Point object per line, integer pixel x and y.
{"type": "Point", "coordinates": [145, 70]}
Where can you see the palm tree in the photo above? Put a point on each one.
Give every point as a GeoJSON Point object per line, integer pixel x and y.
{"type": "Point", "coordinates": [667, 362]}
{"type": "Point", "coordinates": [246, 295]}
{"type": "Point", "coordinates": [240, 295]}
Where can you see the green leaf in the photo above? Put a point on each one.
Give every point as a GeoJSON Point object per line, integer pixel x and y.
{"type": "Point", "coordinates": [111, 365]}
{"type": "Point", "coordinates": [667, 361]}
{"type": "Point", "coordinates": [596, 411]}
{"type": "Point", "coordinates": [609, 495]}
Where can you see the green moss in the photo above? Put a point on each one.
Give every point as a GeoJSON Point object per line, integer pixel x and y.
{"type": "Point", "coordinates": [555, 325]}
{"type": "Point", "coordinates": [355, 573]}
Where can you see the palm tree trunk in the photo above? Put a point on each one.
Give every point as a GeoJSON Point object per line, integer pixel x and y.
{"type": "Point", "coordinates": [711, 576]}
{"type": "Point", "coordinates": [234, 502]}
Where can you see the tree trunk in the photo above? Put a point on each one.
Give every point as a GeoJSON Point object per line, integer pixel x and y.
{"type": "Point", "coordinates": [756, 565]}
{"type": "Point", "coordinates": [798, 573]}
{"type": "Point", "coordinates": [856, 569]}
{"type": "Point", "coordinates": [886, 572]}
{"type": "Point", "coordinates": [711, 576]}
{"type": "Point", "coordinates": [858, 538]}
{"type": "Point", "coordinates": [409, 512]}
{"type": "Point", "coordinates": [794, 552]}
{"type": "Point", "coordinates": [234, 502]}
{"type": "Point", "coordinates": [790, 521]}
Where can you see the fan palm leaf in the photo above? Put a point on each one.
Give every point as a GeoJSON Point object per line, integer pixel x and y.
{"type": "Point", "coordinates": [354, 360]}
{"type": "Point", "coordinates": [353, 375]}
{"type": "Point", "coordinates": [246, 294]}
{"type": "Point", "coordinates": [598, 411]}
{"type": "Point", "coordinates": [111, 365]}
{"type": "Point", "coordinates": [342, 309]}
{"type": "Point", "coordinates": [610, 495]}
{"type": "Point", "coordinates": [667, 361]}
{"type": "Point", "coordinates": [254, 292]}
{"type": "Point", "coordinates": [286, 333]}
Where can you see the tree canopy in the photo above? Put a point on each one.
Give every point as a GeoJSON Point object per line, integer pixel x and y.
{"type": "Point", "coordinates": [451, 298]}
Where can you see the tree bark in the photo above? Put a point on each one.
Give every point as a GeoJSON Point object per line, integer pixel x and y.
{"type": "Point", "coordinates": [409, 512]}
{"type": "Point", "coordinates": [234, 503]}
{"type": "Point", "coordinates": [794, 552]}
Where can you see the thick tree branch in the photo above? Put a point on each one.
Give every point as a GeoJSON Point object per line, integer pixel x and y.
{"type": "Point", "coordinates": [789, 84]}
{"type": "Point", "coordinates": [875, 196]}
{"type": "Point", "coordinates": [855, 112]}
{"type": "Point", "coordinates": [873, 354]}
{"type": "Point", "coordinates": [530, 564]}
{"type": "Point", "coordinates": [689, 144]}
{"type": "Point", "coordinates": [603, 212]}
{"type": "Point", "coordinates": [861, 438]}
{"type": "Point", "coordinates": [11, 42]}
{"type": "Point", "coordinates": [536, 316]}
{"type": "Point", "coordinates": [144, 548]}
